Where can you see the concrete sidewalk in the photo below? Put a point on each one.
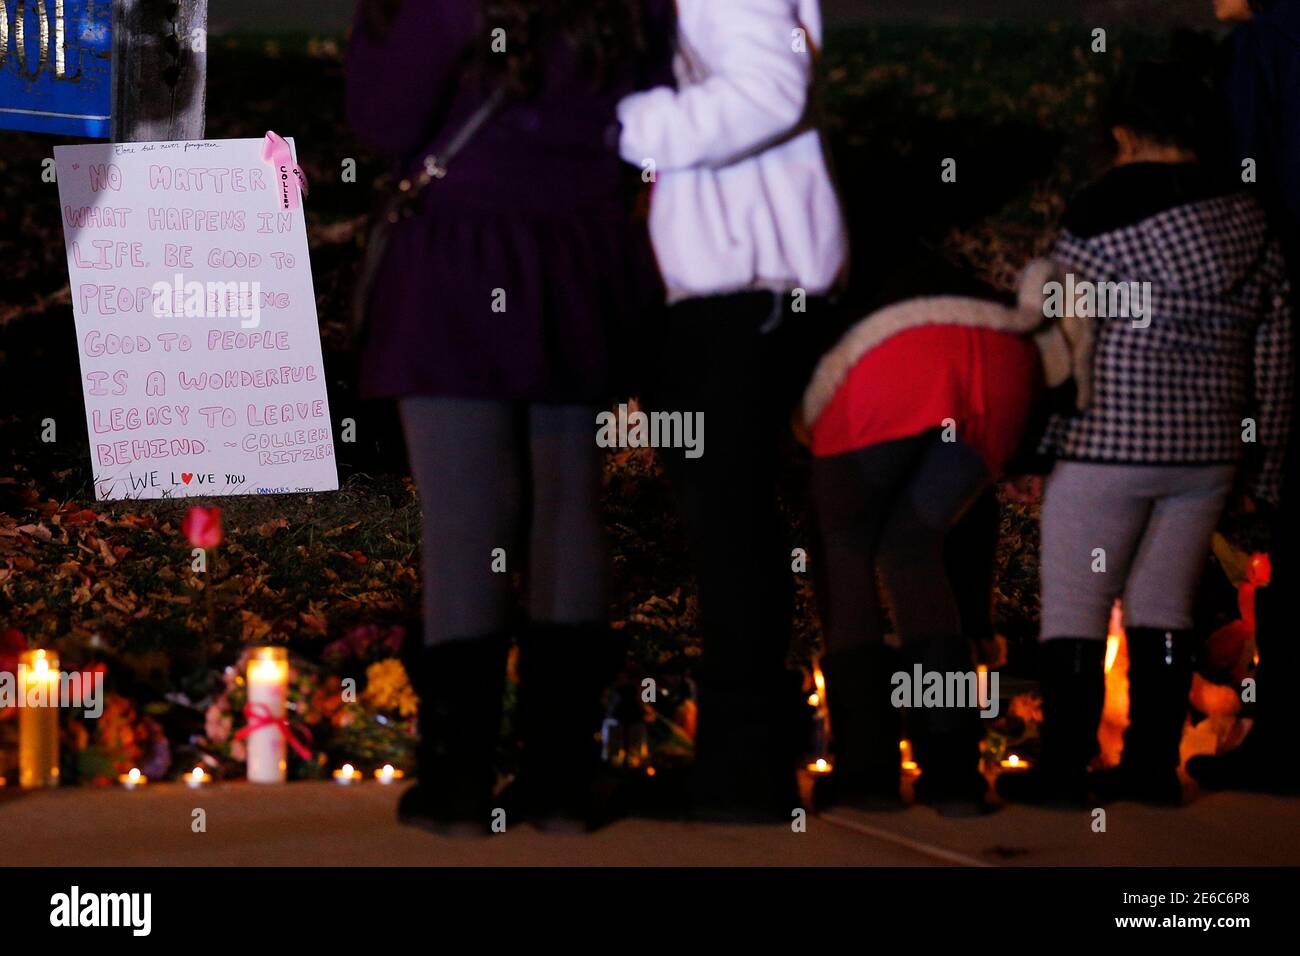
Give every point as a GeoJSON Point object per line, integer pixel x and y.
{"type": "Point", "coordinates": [322, 824]}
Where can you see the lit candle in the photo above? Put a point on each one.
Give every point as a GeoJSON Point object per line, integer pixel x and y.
{"type": "Point", "coordinates": [38, 719]}
{"type": "Point", "coordinates": [1015, 762]}
{"type": "Point", "coordinates": [268, 691]}
{"type": "Point", "coordinates": [905, 759]}
{"type": "Point", "coordinates": [387, 774]}
{"type": "Point", "coordinates": [133, 779]}
{"type": "Point", "coordinates": [198, 777]}
{"type": "Point", "coordinates": [820, 765]}
{"type": "Point", "coordinates": [347, 774]}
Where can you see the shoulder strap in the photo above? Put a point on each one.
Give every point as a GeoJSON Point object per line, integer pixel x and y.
{"type": "Point", "coordinates": [435, 164]}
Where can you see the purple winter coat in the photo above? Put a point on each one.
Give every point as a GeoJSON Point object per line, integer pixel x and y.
{"type": "Point", "coordinates": [522, 274]}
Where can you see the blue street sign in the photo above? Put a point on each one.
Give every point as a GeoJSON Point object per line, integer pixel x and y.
{"type": "Point", "coordinates": [56, 66]}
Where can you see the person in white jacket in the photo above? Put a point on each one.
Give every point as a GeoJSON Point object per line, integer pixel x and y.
{"type": "Point", "coordinates": [750, 237]}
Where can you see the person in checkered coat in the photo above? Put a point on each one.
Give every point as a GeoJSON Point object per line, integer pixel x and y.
{"type": "Point", "coordinates": [1189, 385]}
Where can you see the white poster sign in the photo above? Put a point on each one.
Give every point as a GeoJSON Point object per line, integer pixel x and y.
{"type": "Point", "coordinates": [196, 320]}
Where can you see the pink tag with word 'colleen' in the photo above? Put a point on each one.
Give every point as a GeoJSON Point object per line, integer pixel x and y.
{"type": "Point", "coordinates": [289, 176]}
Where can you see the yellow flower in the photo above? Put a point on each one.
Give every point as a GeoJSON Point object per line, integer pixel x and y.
{"type": "Point", "coordinates": [388, 688]}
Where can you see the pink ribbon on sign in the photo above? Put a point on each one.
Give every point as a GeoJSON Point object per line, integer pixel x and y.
{"type": "Point", "coordinates": [276, 151]}
{"type": "Point", "coordinates": [260, 716]}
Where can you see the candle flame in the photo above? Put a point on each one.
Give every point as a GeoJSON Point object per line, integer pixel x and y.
{"type": "Point", "coordinates": [134, 775]}
{"type": "Point", "coordinates": [1112, 650]}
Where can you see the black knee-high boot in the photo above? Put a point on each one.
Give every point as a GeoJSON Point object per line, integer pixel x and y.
{"type": "Point", "coordinates": [1073, 679]}
{"type": "Point", "coordinates": [747, 747]}
{"type": "Point", "coordinates": [1159, 679]}
{"type": "Point", "coordinates": [946, 739]}
{"type": "Point", "coordinates": [460, 684]}
{"type": "Point", "coordinates": [865, 727]}
{"type": "Point", "coordinates": [563, 672]}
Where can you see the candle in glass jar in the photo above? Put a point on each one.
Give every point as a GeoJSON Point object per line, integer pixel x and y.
{"type": "Point", "coordinates": [38, 720]}
{"type": "Point", "coordinates": [268, 692]}
{"type": "Point", "coordinates": [388, 774]}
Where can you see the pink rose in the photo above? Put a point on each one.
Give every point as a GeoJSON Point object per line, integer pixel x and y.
{"type": "Point", "coordinates": [202, 526]}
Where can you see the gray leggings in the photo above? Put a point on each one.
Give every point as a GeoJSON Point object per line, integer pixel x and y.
{"type": "Point", "coordinates": [1150, 524]}
{"type": "Point", "coordinates": [496, 474]}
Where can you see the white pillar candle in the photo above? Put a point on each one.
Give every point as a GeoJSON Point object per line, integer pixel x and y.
{"type": "Point", "coordinates": [268, 691]}
{"type": "Point", "coordinates": [38, 719]}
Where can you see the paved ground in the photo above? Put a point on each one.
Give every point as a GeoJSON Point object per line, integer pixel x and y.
{"type": "Point", "coordinates": [322, 824]}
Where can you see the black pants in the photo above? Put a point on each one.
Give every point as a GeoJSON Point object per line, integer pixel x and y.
{"type": "Point", "coordinates": [721, 357]}
{"type": "Point", "coordinates": [888, 509]}
{"type": "Point", "coordinates": [714, 358]}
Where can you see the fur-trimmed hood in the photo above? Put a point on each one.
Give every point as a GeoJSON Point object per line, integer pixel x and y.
{"type": "Point", "coordinates": [1065, 344]}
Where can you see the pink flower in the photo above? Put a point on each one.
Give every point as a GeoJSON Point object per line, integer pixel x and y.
{"type": "Point", "coordinates": [202, 526]}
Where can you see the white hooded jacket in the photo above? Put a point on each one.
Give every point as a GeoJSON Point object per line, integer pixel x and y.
{"type": "Point", "coordinates": [743, 196]}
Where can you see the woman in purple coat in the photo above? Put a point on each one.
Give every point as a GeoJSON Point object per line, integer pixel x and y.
{"type": "Point", "coordinates": [494, 319]}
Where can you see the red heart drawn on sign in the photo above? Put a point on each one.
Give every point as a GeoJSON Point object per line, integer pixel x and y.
{"type": "Point", "coordinates": [186, 476]}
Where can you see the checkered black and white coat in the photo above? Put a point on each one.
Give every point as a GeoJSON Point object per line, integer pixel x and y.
{"type": "Point", "coordinates": [1218, 349]}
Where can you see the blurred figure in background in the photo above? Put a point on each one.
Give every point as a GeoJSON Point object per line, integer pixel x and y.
{"type": "Point", "coordinates": [497, 315]}
{"type": "Point", "coordinates": [1263, 92]}
{"type": "Point", "coordinates": [749, 234]}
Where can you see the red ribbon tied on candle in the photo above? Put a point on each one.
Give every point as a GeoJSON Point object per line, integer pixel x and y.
{"type": "Point", "coordinates": [276, 151]}
{"type": "Point", "coordinates": [259, 717]}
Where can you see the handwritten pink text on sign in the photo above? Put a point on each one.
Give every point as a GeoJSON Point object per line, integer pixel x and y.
{"type": "Point", "coordinates": [196, 322]}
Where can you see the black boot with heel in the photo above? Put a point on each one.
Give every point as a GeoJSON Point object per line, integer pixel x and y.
{"type": "Point", "coordinates": [563, 672]}
{"type": "Point", "coordinates": [1159, 680]}
{"type": "Point", "coordinates": [460, 684]}
{"type": "Point", "coordinates": [1073, 679]}
{"type": "Point", "coordinates": [946, 740]}
{"type": "Point", "coordinates": [865, 729]}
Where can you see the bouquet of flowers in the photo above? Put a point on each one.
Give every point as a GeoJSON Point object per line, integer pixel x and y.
{"type": "Point", "coordinates": [337, 721]}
